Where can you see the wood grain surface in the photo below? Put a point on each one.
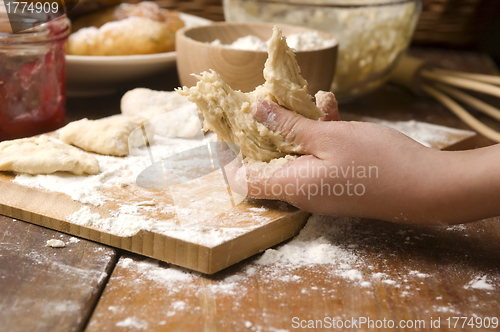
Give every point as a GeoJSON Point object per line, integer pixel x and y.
{"type": "Point", "coordinates": [44, 288]}
{"type": "Point", "coordinates": [402, 273]}
{"type": "Point", "coordinates": [258, 225]}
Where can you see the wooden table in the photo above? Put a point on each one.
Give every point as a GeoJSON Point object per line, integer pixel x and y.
{"type": "Point", "coordinates": [392, 272]}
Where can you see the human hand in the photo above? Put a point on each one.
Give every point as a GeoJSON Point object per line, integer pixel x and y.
{"type": "Point", "coordinates": [349, 168]}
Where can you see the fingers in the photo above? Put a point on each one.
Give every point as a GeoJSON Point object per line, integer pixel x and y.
{"type": "Point", "coordinates": [285, 184]}
{"type": "Point", "coordinates": [295, 128]}
{"type": "Point", "coordinates": [327, 103]}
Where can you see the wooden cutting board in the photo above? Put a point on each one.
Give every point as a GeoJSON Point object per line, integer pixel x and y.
{"type": "Point", "coordinates": [251, 227]}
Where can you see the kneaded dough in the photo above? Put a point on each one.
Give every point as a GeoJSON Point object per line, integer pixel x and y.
{"type": "Point", "coordinates": [173, 114]}
{"type": "Point", "coordinates": [108, 136]}
{"type": "Point", "coordinates": [227, 112]}
{"type": "Point", "coordinates": [44, 155]}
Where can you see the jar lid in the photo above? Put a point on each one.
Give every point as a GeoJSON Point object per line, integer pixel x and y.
{"type": "Point", "coordinates": [23, 16]}
{"type": "Point", "coordinates": [56, 29]}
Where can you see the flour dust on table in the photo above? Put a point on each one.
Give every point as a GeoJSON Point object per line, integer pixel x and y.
{"type": "Point", "coordinates": [328, 251]}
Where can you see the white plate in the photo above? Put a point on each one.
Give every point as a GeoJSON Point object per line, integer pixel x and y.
{"type": "Point", "coordinates": [100, 75]}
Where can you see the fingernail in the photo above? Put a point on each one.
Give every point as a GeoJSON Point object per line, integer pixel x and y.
{"type": "Point", "coordinates": [262, 111]}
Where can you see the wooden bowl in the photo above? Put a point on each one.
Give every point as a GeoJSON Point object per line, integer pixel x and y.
{"type": "Point", "coordinates": [242, 69]}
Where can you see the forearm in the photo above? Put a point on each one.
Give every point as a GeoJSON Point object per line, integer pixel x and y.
{"type": "Point", "coordinates": [445, 188]}
{"type": "Point", "coordinates": [469, 188]}
{"type": "Point", "coordinates": [433, 187]}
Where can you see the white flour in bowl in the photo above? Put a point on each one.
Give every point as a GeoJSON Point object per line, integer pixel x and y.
{"type": "Point", "coordinates": [305, 41]}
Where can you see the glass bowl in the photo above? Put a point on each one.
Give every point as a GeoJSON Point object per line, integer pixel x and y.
{"type": "Point", "coordinates": [372, 34]}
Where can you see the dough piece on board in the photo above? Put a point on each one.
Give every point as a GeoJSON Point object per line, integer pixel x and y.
{"type": "Point", "coordinates": [227, 112]}
{"type": "Point", "coordinates": [44, 155]}
{"type": "Point", "coordinates": [173, 114]}
{"type": "Point", "coordinates": [108, 136]}
{"type": "Point", "coordinates": [150, 103]}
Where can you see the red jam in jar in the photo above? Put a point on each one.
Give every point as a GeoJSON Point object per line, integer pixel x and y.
{"type": "Point", "coordinates": [32, 78]}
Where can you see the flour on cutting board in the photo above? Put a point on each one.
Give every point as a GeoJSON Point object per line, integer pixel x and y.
{"type": "Point", "coordinates": [115, 171]}
{"type": "Point", "coordinates": [151, 212]}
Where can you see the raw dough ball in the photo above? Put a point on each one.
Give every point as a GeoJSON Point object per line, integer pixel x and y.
{"type": "Point", "coordinates": [150, 103]}
{"type": "Point", "coordinates": [44, 155]}
{"type": "Point", "coordinates": [174, 115]}
{"type": "Point", "coordinates": [108, 136]}
{"type": "Point", "coordinates": [227, 112]}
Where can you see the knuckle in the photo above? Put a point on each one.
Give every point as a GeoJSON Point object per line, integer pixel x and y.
{"type": "Point", "coordinates": [290, 127]}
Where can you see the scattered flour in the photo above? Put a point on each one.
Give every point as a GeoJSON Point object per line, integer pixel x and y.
{"type": "Point", "coordinates": [124, 224]}
{"type": "Point", "coordinates": [389, 282]}
{"type": "Point", "coordinates": [480, 282]}
{"type": "Point", "coordinates": [150, 269]}
{"type": "Point", "coordinates": [352, 275]}
{"type": "Point", "coordinates": [419, 274]}
{"type": "Point", "coordinates": [446, 309]}
{"type": "Point", "coordinates": [179, 305]}
{"type": "Point", "coordinates": [255, 209]}
{"type": "Point", "coordinates": [312, 245]}
{"type": "Point", "coordinates": [335, 248]}
{"type": "Point", "coordinates": [73, 240]}
{"type": "Point", "coordinates": [134, 323]}
{"type": "Point", "coordinates": [379, 275]}
{"type": "Point", "coordinates": [456, 228]}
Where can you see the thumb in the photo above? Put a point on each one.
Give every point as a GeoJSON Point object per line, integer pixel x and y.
{"type": "Point", "coordinates": [294, 128]}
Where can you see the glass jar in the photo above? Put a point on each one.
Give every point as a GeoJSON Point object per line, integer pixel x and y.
{"type": "Point", "coordinates": [372, 34]}
{"type": "Point", "coordinates": [32, 78]}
